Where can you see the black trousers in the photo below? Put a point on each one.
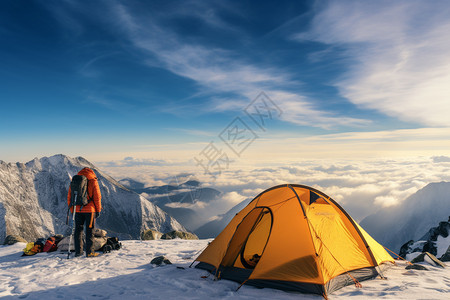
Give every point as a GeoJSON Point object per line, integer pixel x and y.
{"type": "Point", "coordinates": [82, 220]}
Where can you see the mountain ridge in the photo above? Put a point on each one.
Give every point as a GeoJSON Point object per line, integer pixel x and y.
{"type": "Point", "coordinates": [33, 200]}
{"type": "Point", "coordinates": [393, 226]}
{"type": "Point", "coordinates": [181, 200]}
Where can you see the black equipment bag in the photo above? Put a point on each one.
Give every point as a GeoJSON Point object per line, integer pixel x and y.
{"type": "Point", "coordinates": [79, 190]}
{"type": "Point", "coordinates": [112, 244]}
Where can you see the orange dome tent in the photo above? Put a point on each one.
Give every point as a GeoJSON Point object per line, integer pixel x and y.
{"type": "Point", "coordinates": [294, 237]}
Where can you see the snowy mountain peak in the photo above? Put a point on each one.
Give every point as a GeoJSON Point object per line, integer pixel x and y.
{"type": "Point", "coordinates": [33, 201]}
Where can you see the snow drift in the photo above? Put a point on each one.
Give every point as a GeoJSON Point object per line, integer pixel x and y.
{"type": "Point", "coordinates": [128, 274]}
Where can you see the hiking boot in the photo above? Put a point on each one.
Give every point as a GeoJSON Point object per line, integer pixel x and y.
{"type": "Point", "coordinates": [93, 254]}
{"type": "Point", "coordinates": [78, 254]}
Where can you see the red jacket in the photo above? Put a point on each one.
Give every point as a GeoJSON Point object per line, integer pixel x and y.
{"type": "Point", "coordinates": [95, 203]}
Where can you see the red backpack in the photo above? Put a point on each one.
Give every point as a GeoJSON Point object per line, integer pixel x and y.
{"type": "Point", "coordinates": [50, 245]}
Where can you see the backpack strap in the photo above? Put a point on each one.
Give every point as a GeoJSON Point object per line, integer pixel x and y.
{"type": "Point", "coordinates": [89, 198]}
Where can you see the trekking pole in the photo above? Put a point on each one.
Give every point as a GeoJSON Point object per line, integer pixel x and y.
{"type": "Point", "coordinates": [73, 223]}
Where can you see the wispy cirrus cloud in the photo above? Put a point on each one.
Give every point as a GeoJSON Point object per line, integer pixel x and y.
{"type": "Point", "coordinates": [299, 110]}
{"type": "Point", "coordinates": [224, 74]}
{"type": "Point", "coordinates": [397, 53]}
{"type": "Point", "coordinates": [417, 135]}
{"type": "Point", "coordinates": [134, 162]}
{"type": "Point", "coordinates": [194, 132]}
{"type": "Point", "coordinates": [223, 71]}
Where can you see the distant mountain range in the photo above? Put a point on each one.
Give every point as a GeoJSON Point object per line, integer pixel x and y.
{"type": "Point", "coordinates": [33, 204]}
{"type": "Point", "coordinates": [33, 201]}
{"type": "Point", "coordinates": [393, 226]}
{"type": "Point", "coordinates": [180, 200]}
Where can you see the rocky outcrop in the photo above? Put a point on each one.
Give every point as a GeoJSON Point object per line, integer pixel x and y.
{"type": "Point", "coordinates": [150, 234]}
{"type": "Point", "coordinates": [411, 247]}
{"type": "Point", "coordinates": [160, 261]}
{"type": "Point", "coordinates": [446, 256]}
{"type": "Point", "coordinates": [436, 242]}
{"type": "Point", "coordinates": [428, 258]}
{"type": "Point", "coordinates": [179, 235]}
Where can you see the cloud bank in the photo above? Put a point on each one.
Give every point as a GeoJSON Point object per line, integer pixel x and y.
{"type": "Point", "coordinates": [361, 186]}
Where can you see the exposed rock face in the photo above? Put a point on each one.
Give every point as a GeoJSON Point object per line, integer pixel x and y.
{"type": "Point", "coordinates": [33, 201]}
{"type": "Point", "coordinates": [446, 256]}
{"type": "Point", "coordinates": [150, 234]}
{"type": "Point", "coordinates": [180, 235]}
{"type": "Point", "coordinates": [436, 241]}
{"type": "Point", "coordinates": [434, 233]}
{"type": "Point", "coordinates": [411, 247]}
{"type": "Point", "coordinates": [428, 258]}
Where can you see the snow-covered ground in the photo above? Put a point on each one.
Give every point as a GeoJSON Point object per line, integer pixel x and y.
{"type": "Point", "coordinates": [127, 274]}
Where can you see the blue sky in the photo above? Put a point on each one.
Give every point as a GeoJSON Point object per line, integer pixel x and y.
{"type": "Point", "coordinates": [159, 80]}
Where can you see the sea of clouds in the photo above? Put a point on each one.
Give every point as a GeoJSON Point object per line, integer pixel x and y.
{"type": "Point", "coordinates": [360, 186]}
